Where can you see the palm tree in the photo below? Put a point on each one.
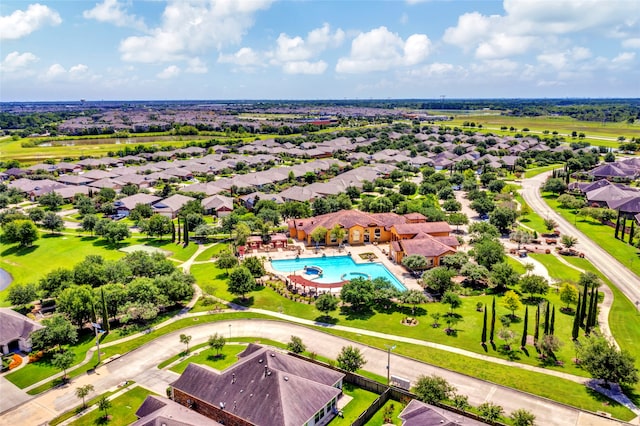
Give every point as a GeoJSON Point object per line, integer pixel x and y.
{"type": "Point", "coordinates": [568, 241]}
{"type": "Point", "coordinates": [103, 405]}
{"type": "Point", "coordinates": [82, 392]}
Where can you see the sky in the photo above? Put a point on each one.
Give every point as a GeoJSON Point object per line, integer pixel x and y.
{"type": "Point", "coordinates": [318, 49]}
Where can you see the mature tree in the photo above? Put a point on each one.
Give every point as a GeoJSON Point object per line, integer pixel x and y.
{"type": "Point", "coordinates": [439, 279]}
{"type": "Point", "coordinates": [51, 200]}
{"type": "Point", "coordinates": [145, 290]}
{"type": "Point", "coordinates": [359, 293]}
{"type": "Point", "coordinates": [451, 205]}
{"type": "Point", "coordinates": [568, 241]}
{"type": "Point", "coordinates": [185, 338]}
{"type": "Point", "coordinates": [159, 225]}
{"type": "Point", "coordinates": [490, 412]}
{"type": "Point", "coordinates": [83, 391]}
{"type": "Point", "coordinates": [512, 302]}
{"type": "Point", "coordinates": [129, 189]}
{"type": "Point", "coordinates": [455, 261]}
{"type": "Point", "coordinates": [21, 294]}
{"type": "Point", "coordinates": [226, 260]}
{"type": "Point", "coordinates": [503, 276]}
{"type": "Point", "coordinates": [488, 253]}
{"type": "Point", "coordinates": [475, 274]}
{"type": "Point", "coordinates": [176, 287]}
{"type": "Point", "coordinates": [77, 302]}
{"type": "Point", "coordinates": [508, 336]}
{"type": "Point", "coordinates": [36, 214]}
{"type": "Point", "coordinates": [604, 361]}
{"type": "Point", "coordinates": [295, 209]}
{"type": "Point", "coordinates": [89, 222]}
{"type": "Point", "coordinates": [255, 265]}
{"type": "Point", "coordinates": [482, 205]}
{"type": "Point", "coordinates": [413, 297]}
{"type": "Point", "coordinates": [242, 232]}
{"type": "Point", "coordinates": [407, 188]}
{"type": "Point", "coordinates": [58, 331]}
{"type": "Point", "coordinates": [453, 300]}
{"type": "Point", "coordinates": [589, 279]}
{"type": "Point", "coordinates": [458, 219]}
{"type": "Point", "coordinates": [55, 281]}
{"type": "Point", "coordinates": [482, 230]}
{"type": "Point", "coordinates": [534, 284]}
{"type": "Point", "coordinates": [433, 389]}
{"type": "Point", "coordinates": [141, 211]}
{"type": "Point", "coordinates": [52, 222]}
{"type": "Point", "coordinates": [522, 417]}
{"type": "Point", "coordinates": [90, 271]}
{"type": "Point", "coordinates": [138, 311]}
{"type": "Point", "coordinates": [113, 232]}
{"type": "Point", "coordinates": [503, 218]}
{"type": "Point", "coordinates": [554, 185]}
{"type": "Point", "coordinates": [296, 345]}
{"type": "Point", "coordinates": [337, 234]}
{"type": "Point", "coordinates": [319, 235]}
{"type": "Point", "coordinates": [63, 360]}
{"type": "Point", "coordinates": [350, 359]}
{"type": "Point", "coordinates": [415, 262]}
{"type": "Point", "coordinates": [381, 205]}
{"type": "Point", "coordinates": [216, 342]}
{"type": "Point", "coordinates": [568, 294]}
{"type": "Point", "coordinates": [326, 303]}
{"type": "Point", "coordinates": [241, 281]}
{"type": "Point", "coordinates": [104, 404]}
{"type": "Point", "coordinates": [549, 344]}
{"type": "Point", "coordinates": [20, 231]}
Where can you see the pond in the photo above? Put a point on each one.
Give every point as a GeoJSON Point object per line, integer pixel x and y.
{"type": "Point", "coordinates": [5, 279]}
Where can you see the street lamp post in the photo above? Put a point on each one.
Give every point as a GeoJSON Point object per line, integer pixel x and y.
{"type": "Point", "coordinates": [389, 349]}
{"type": "Point", "coordinates": [229, 331]}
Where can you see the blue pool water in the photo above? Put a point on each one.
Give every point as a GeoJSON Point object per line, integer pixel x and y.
{"type": "Point", "coordinates": [336, 269]}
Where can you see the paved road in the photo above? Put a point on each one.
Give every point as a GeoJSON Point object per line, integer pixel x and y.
{"type": "Point", "coordinates": [140, 365]}
{"type": "Point", "coordinates": [620, 276]}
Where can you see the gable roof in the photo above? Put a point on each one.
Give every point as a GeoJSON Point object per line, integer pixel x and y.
{"type": "Point", "coordinates": [15, 326]}
{"type": "Point", "coordinates": [130, 202]}
{"type": "Point", "coordinates": [418, 413]}
{"type": "Point", "coordinates": [426, 246]}
{"type": "Point", "coordinates": [264, 387]}
{"type": "Point", "coordinates": [426, 227]}
{"type": "Point", "coordinates": [348, 219]}
{"type": "Point", "coordinates": [172, 203]}
{"type": "Point", "coordinates": [158, 411]}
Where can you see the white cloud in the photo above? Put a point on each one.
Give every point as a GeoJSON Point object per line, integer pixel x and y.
{"type": "Point", "coordinates": [564, 59]}
{"type": "Point", "coordinates": [113, 12]}
{"type": "Point", "coordinates": [496, 67]}
{"type": "Point", "coordinates": [245, 57]}
{"type": "Point", "coordinates": [531, 24]}
{"type": "Point", "coordinates": [23, 22]}
{"type": "Point", "coordinates": [380, 50]}
{"type": "Point", "coordinates": [624, 57]}
{"type": "Point", "coordinates": [16, 61]}
{"type": "Point", "coordinates": [304, 67]}
{"type": "Point", "coordinates": [191, 27]}
{"type": "Point", "coordinates": [78, 72]}
{"type": "Point", "coordinates": [436, 69]}
{"type": "Point", "coordinates": [55, 71]}
{"type": "Point", "coordinates": [632, 43]}
{"type": "Point", "coordinates": [294, 53]}
{"type": "Point", "coordinates": [169, 72]}
{"type": "Point", "coordinates": [196, 66]}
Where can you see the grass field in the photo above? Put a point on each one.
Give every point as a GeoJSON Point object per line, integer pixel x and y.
{"type": "Point", "coordinates": [362, 399]}
{"type": "Point", "coordinates": [211, 252]}
{"type": "Point", "coordinates": [228, 356]}
{"type": "Point", "coordinates": [378, 418]}
{"type": "Point", "coordinates": [122, 412]}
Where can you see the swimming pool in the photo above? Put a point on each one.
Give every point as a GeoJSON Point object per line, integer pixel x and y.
{"type": "Point", "coordinates": [334, 268]}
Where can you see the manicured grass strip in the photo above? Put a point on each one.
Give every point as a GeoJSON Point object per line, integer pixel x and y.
{"type": "Point", "coordinates": [228, 356]}
{"type": "Point", "coordinates": [554, 388]}
{"type": "Point", "coordinates": [517, 266]}
{"type": "Point", "coordinates": [538, 170]}
{"type": "Point", "coordinates": [211, 252]}
{"type": "Point", "coordinates": [362, 399]}
{"type": "Point", "coordinates": [75, 373]}
{"type": "Point", "coordinates": [178, 251]}
{"type": "Point", "coordinates": [557, 269]}
{"type": "Point", "coordinates": [122, 412]}
{"type": "Point", "coordinates": [80, 408]}
{"type": "Point", "coordinates": [602, 235]}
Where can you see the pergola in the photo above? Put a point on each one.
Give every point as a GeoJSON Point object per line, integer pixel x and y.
{"type": "Point", "coordinates": [306, 284]}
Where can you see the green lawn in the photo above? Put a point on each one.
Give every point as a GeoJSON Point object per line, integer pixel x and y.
{"type": "Point", "coordinates": [79, 409]}
{"type": "Point", "coordinates": [602, 235]}
{"type": "Point", "coordinates": [532, 220]}
{"type": "Point", "coordinates": [178, 251]}
{"type": "Point", "coordinates": [362, 399]}
{"type": "Point", "coordinates": [123, 410]}
{"type": "Point", "coordinates": [227, 357]}
{"type": "Point", "coordinates": [212, 251]}
{"type": "Point", "coordinates": [557, 269]}
{"type": "Point", "coordinates": [378, 418]}
{"type": "Point", "coordinates": [529, 173]}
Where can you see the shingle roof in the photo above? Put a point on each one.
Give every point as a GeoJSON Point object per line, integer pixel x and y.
{"type": "Point", "coordinates": [426, 227]}
{"type": "Point", "coordinates": [15, 326]}
{"type": "Point", "coordinates": [418, 413]}
{"type": "Point", "coordinates": [157, 411]}
{"type": "Point", "coordinates": [133, 200]}
{"type": "Point", "coordinates": [264, 387]}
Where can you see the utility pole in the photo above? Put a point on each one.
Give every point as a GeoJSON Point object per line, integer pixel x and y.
{"type": "Point", "coordinates": [389, 349]}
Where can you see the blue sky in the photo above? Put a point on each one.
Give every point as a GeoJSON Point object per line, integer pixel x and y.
{"type": "Point", "coordinates": [318, 49]}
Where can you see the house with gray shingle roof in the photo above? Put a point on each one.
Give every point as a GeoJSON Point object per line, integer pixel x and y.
{"type": "Point", "coordinates": [15, 333]}
{"type": "Point", "coordinates": [171, 206]}
{"type": "Point", "coordinates": [125, 205]}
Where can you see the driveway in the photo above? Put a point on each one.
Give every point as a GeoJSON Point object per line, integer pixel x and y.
{"type": "Point", "coordinates": [616, 272]}
{"type": "Point", "coordinates": [140, 365]}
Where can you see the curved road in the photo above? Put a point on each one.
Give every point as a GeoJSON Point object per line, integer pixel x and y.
{"type": "Point", "coordinates": [140, 366]}
{"type": "Point", "coordinates": [616, 272]}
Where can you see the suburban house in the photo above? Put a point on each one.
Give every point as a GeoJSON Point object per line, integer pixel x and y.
{"type": "Point", "coordinates": [218, 205]}
{"type": "Point", "coordinates": [125, 205]}
{"type": "Point", "coordinates": [263, 388]}
{"type": "Point", "coordinates": [418, 413]}
{"type": "Point", "coordinates": [157, 411]}
{"type": "Point", "coordinates": [171, 206]}
{"type": "Point", "coordinates": [15, 333]}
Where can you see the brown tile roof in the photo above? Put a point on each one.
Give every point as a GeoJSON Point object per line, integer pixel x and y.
{"type": "Point", "coordinates": [348, 219]}
{"type": "Point", "coordinates": [426, 227]}
{"type": "Point", "coordinates": [264, 387]}
{"type": "Point", "coordinates": [427, 247]}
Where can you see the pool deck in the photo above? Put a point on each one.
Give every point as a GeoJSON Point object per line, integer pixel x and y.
{"type": "Point", "coordinates": [309, 253]}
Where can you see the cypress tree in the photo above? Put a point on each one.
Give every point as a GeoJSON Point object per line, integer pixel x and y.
{"type": "Point", "coordinates": [173, 232]}
{"type": "Point", "coordinates": [617, 225]}
{"type": "Point", "coordinates": [493, 319]}
{"type": "Point", "coordinates": [94, 317]}
{"type": "Point", "coordinates": [588, 325]}
{"type": "Point", "coordinates": [186, 233]}
{"type": "Point", "coordinates": [525, 327]}
{"type": "Point", "coordinates": [624, 227]}
{"type": "Point", "coordinates": [536, 330]}
{"type": "Point", "coordinates": [583, 310]}
{"type": "Point", "coordinates": [105, 313]}
{"type": "Point", "coordinates": [576, 320]}
{"type": "Point", "coordinates": [546, 319]}
{"type": "Point", "coordinates": [484, 327]}
{"type": "Point", "coordinates": [552, 326]}
{"type": "Point", "coordinates": [179, 231]}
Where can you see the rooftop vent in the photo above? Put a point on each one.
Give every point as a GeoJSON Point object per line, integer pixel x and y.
{"type": "Point", "coordinates": [286, 378]}
{"type": "Point", "coordinates": [222, 405]}
{"type": "Point", "coordinates": [273, 354]}
{"type": "Point", "coordinates": [260, 360]}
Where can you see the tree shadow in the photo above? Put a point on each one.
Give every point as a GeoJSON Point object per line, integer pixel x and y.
{"type": "Point", "coordinates": [246, 302]}
{"type": "Point", "coordinates": [484, 347]}
{"type": "Point", "coordinates": [632, 393]}
{"type": "Point", "coordinates": [326, 319]}
{"type": "Point", "coordinates": [216, 357]}
{"type": "Point", "coordinates": [509, 352]}
{"type": "Point", "coordinates": [19, 251]}
{"type": "Point", "coordinates": [525, 351]}
{"type": "Point", "coordinates": [356, 314]}
{"type": "Point", "coordinates": [89, 238]}
{"type": "Point", "coordinates": [605, 400]}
